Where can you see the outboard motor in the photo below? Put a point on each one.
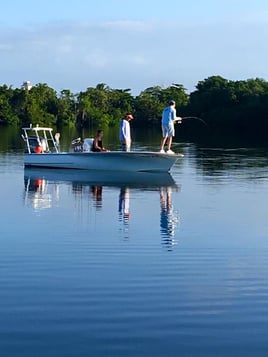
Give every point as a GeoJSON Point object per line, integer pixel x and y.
{"type": "Point", "coordinates": [87, 144]}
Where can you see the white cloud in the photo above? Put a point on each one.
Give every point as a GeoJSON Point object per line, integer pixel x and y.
{"type": "Point", "coordinates": [133, 54]}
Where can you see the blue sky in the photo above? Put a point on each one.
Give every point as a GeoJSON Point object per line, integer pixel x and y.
{"type": "Point", "coordinates": [131, 44]}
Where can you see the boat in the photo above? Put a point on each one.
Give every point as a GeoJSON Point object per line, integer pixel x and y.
{"type": "Point", "coordinates": [42, 149]}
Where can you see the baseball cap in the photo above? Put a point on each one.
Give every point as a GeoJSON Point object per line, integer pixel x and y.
{"type": "Point", "coordinates": [172, 102]}
{"type": "Point", "coordinates": [129, 115]}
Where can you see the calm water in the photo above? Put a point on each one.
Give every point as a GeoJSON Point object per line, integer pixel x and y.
{"type": "Point", "coordinates": [174, 265]}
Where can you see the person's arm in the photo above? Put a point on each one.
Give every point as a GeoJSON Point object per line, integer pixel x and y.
{"type": "Point", "coordinates": [123, 131]}
{"type": "Point", "coordinates": [104, 149]}
{"type": "Point", "coordinates": [96, 146]}
{"type": "Point", "coordinates": [178, 120]}
{"type": "Point", "coordinates": [175, 118]}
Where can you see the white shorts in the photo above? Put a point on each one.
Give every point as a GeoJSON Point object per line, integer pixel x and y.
{"type": "Point", "coordinates": [168, 130]}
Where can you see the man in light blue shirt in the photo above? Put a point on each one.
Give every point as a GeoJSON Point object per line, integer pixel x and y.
{"type": "Point", "coordinates": [169, 117]}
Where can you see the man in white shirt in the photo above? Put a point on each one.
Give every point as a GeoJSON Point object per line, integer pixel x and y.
{"type": "Point", "coordinates": [124, 132]}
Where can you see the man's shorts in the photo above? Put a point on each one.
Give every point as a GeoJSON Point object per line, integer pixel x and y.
{"type": "Point", "coordinates": [168, 130]}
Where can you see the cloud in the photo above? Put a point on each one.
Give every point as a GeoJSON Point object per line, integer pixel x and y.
{"type": "Point", "coordinates": [132, 54]}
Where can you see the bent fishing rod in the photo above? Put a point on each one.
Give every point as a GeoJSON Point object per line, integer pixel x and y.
{"type": "Point", "coordinates": [191, 117]}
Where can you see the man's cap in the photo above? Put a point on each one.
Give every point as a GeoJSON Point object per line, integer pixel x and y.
{"type": "Point", "coordinates": [129, 115]}
{"type": "Point", "coordinates": [172, 102]}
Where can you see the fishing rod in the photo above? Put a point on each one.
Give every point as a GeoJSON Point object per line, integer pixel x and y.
{"type": "Point", "coordinates": [190, 117]}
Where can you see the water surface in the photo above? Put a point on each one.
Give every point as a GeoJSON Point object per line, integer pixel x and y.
{"type": "Point", "coordinates": [121, 266]}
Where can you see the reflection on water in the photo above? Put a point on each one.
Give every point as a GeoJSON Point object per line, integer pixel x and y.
{"type": "Point", "coordinates": [95, 191]}
{"type": "Point", "coordinates": [43, 190]}
{"type": "Point", "coordinates": [39, 195]}
{"type": "Point", "coordinates": [97, 196]}
{"type": "Point", "coordinates": [124, 210]}
{"type": "Point", "coordinates": [124, 197]}
{"type": "Point", "coordinates": [71, 286]}
{"type": "Point", "coordinates": [219, 162]}
{"type": "Point", "coordinates": [169, 219]}
{"type": "Point", "coordinates": [42, 194]}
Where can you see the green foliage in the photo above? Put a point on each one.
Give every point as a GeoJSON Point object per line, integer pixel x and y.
{"type": "Point", "coordinates": [228, 107]}
{"type": "Point", "coordinates": [102, 106]}
{"type": "Point", "coordinates": [150, 103]}
{"type": "Point", "coordinates": [66, 108]}
{"type": "Point", "coordinates": [232, 107]}
{"type": "Point", "coordinates": [7, 115]}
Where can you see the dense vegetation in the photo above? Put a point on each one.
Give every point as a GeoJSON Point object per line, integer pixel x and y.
{"type": "Point", "coordinates": [237, 108]}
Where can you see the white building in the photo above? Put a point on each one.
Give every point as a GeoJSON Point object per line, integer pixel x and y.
{"type": "Point", "coordinates": [27, 85]}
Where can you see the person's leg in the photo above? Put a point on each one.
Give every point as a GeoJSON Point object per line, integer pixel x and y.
{"type": "Point", "coordinates": [164, 137]}
{"type": "Point", "coordinates": [128, 145]}
{"type": "Point", "coordinates": [169, 142]}
{"type": "Point", "coordinates": [163, 141]}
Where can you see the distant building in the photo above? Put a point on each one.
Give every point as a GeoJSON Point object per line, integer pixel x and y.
{"type": "Point", "coordinates": [27, 85]}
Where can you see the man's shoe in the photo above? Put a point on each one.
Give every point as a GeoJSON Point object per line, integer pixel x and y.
{"type": "Point", "coordinates": [170, 152]}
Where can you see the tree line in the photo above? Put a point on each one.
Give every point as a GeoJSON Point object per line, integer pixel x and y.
{"type": "Point", "coordinates": [227, 107]}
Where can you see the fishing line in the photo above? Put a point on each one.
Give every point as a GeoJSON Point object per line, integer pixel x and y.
{"type": "Point", "coordinates": [197, 118]}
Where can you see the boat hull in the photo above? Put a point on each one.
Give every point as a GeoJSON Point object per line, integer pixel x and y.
{"type": "Point", "coordinates": [108, 161]}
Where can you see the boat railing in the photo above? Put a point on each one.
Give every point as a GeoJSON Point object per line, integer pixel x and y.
{"type": "Point", "coordinates": [40, 140]}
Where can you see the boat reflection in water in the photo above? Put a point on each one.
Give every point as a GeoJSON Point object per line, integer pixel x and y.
{"type": "Point", "coordinates": [37, 193]}
{"type": "Point", "coordinates": [43, 189]}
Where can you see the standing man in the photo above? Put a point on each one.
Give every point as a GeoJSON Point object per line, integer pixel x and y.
{"type": "Point", "coordinates": [124, 132]}
{"type": "Point", "coordinates": [169, 117]}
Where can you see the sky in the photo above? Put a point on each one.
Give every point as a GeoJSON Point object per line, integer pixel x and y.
{"type": "Point", "coordinates": [76, 44]}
